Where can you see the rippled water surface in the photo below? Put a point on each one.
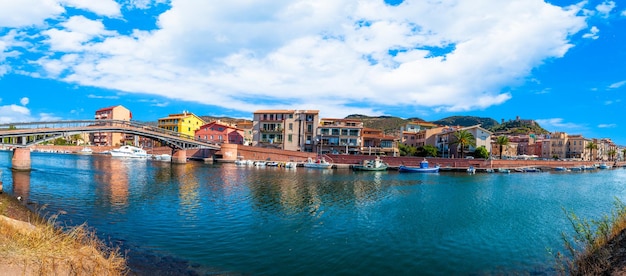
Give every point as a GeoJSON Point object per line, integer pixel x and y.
{"type": "Point", "coordinates": [223, 218]}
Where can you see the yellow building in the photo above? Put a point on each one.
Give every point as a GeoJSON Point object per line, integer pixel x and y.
{"type": "Point", "coordinates": [184, 123]}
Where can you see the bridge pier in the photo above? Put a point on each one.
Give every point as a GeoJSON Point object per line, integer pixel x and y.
{"type": "Point", "coordinates": [179, 157]}
{"type": "Point", "coordinates": [21, 159]}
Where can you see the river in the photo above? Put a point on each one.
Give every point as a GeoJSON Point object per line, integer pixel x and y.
{"type": "Point", "coordinates": [200, 218]}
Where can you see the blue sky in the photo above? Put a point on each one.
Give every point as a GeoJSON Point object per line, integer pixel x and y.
{"type": "Point", "coordinates": [562, 63]}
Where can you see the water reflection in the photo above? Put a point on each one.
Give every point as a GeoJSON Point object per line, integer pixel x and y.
{"type": "Point", "coordinates": [111, 178]}
{"type": "Point", "coordinates": [21, 184]}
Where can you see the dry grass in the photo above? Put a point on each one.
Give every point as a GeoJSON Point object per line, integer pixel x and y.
{"type": "Point", "coordinates": [34, 246]}
{"type": "Point", "coordinates": [596, 248]}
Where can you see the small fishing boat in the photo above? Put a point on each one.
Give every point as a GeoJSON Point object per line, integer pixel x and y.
{"type": "Point", "coordinates": [527, 169]}
{"type": "Point", "coordinates": [604, 166]}
{"type": "Point", "coordinates": [371, 165]}
{"type": "Point", "coordinates": [423, 168]}
{"type": "Point", "coordinates": [471, 170]}
{"type": "Point", "coordinates": [320, 163]}
{"type": "Point", "coordinates": [503, 170]}
{"type": "Point", "coordinates": [561, 169]}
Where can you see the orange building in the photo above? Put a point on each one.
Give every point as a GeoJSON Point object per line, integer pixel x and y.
{"type": "Point", "coordinates": [117, 112]}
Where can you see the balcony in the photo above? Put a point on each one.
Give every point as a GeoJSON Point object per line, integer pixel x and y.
{"type": "Point", "coordinates": [268, 130]}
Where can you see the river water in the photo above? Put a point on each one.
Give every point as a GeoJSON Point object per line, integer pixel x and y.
{"type": "Point", "coordinates": [200, 218]}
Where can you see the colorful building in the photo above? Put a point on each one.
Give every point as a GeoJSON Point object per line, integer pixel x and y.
{"type": "Point", "coordinates": [184, 123]}
{"type": "Point", "coordinates": [117, 112]}
{"type": "Point", "coordinates": [339, 136]}
{"type": "Point", "coordinates": [218, 132]}
{"type": "Point", "coordinates": [285, 129]}
{"type": "Point", "coordinates": [376, 142]}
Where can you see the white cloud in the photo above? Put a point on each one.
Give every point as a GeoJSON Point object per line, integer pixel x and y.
{"type": "Point", "coordinates": [557, 124]}
{"type": "Point", "coordinates": [92, 96]}
{"type": "Point", "coordinates": [108, 8]}
{"type": "Point", "coordinates": [617, 84]}
{"type": "Point", "coordinates": [144, 4]}
{"type": "Point", "coordinates": [607, 125]}
{"type": "Point", "coordinates": [28, 12]}
{"type": "Point", "coordinates": [24, 101]}
{"type": "Point", "coordinates": [593, 33]}
{"type": "Point", "coordinates": [14, 113]}
{"type": "Point", "coordinates": [330, 55]}
{"type": "Point", "coordinates": [605, 8]}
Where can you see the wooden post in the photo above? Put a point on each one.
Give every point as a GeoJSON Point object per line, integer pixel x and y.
{"type": "Point", "coordinates": [21, 159]}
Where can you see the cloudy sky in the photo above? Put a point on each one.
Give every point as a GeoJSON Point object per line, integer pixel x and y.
{"type": "Point", "coordinates": [562, 63]}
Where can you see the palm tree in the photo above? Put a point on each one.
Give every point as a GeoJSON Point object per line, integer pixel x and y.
{"type": "Point", "coordinates": [624, 154]}
{"type": "Point", "coordinates": [464, 138]}
{"type": "Point", "coordinates": [502, 141]}
{"type": "Point", "coordinates": [591, 146]}
{"type": "Point", "coordinates": [611, 153]}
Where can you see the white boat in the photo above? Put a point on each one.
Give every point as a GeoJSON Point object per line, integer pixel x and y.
{"type": "Point", "coordinates": [85, 151]}
{"type": "Point", "coordinates": [130, 152]}
{"type": "Point", "coordinates": [604, 166]}
{"type": "Point", "coordinates": [371, 165]}
{"type": "Point", "coordinates": [290, 165]}
{"type": "Point", "coordinates": [318, 164]}
{"type": "Point", "coordinates": [503, 170]}
{"type": "Point", "coordinates": [162, 157]}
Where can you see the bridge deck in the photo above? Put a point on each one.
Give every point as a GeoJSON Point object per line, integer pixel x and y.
{"type": "Point", "coordinates": [31, 133]}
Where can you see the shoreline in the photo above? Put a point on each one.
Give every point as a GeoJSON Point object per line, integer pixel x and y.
{"type": "Point", "coordinates": [32, 245]}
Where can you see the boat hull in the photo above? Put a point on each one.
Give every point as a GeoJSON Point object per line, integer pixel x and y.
{"type": "Point", "coordinates": [417, 170]}
{"type": "Point", "coordinates": [366, 168]}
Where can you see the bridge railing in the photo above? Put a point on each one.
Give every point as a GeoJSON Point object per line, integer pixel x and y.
{"type": "Point", "coordinates": [98, 123]}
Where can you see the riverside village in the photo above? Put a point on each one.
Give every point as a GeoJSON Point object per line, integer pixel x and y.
{"type": "Point", "coordinates": [297, 137]}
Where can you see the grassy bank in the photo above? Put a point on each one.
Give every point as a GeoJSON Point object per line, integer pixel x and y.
{"type": "Point", "coordinates": [30, 245]}
{"type": "Point", "coordinates": [597, 247]}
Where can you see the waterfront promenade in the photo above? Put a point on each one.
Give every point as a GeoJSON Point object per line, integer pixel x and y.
{"type": "Point", "coordinates": [230, 153]}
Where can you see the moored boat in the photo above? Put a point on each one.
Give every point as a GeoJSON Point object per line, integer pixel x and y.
{"type": "Point", "coordinates": [471, 170]}
{"type": "Point", "coordinates": [371, 165]}
{"type": "Point", "coordinates": [423, 168]}
{"type": "Point", "coordinates": [604, 166]}
{"type": "Point", "coordinates": [503, 170]}
{"type": "Point", "coordinates": [320, 163]}
{"type": "Point", "coordinates": [85, 151]}
{"type": "Point", "coordinates": [162, 157]}
{"type": "Point", "coordinates": [130, 152]}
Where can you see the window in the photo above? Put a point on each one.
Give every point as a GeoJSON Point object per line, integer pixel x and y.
{"type": "Point", "coordinates": [290, 126]}
{"type": "Point", "coordinates": [289, 138]}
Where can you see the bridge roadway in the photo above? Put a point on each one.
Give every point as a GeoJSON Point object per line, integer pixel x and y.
{"type": "Point", "coordinates": [31, 133]}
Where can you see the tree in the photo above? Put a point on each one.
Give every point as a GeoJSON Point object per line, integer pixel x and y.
{"type": "Point", "coordinates": [464, 138]}
{"type": "Point", "coordinates": [611, 154]}
{"type": "Point", "coordinates": [406, 150]}
{"type": "Point", "coordinates": [591, 147]}
{"type": "Point", "coordinates": [426, 151]}
{"type": "Point", "coordinates": [502, 141]}
{"type": "Point", "coordinates": [76, 138]}
{"type": "Point", "coordinates": [481, 152]}
{"type": "Point", "coordinates": [624, 154]}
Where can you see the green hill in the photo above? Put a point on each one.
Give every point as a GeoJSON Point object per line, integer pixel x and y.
{"type": "Point", "coordinates": [515, 127]}
{"type": "Point", "coordinates": [389, 124]}
{"type": "Point", "coordinates": [466, 121]}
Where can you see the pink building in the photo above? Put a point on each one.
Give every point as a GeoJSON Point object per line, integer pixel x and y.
{"type": "Point", "coordinates": [218, 132]}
